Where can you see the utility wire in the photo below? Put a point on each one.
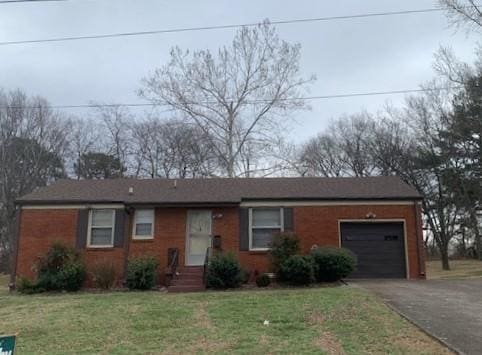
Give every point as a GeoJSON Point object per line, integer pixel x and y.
{"type": "Point", "coordinates": [219, 27]}
{"type": "Point", "coordinates": [320, 97]}
{"type": "Point", "coordinates": [19, 1]}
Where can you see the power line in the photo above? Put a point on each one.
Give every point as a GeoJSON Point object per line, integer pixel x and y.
{"type": "Point", "coordinates": [219, 27]}
{"type": "Point", "coordinates": [15, 1]}
{"type": "Point", "coordinates": [308, 98]}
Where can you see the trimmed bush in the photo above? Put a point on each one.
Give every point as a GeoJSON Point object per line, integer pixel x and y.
{"type": "Point", "coordinates": [283, 246]}
{"type": "Point", "coordinates": [263, 280]}
{"type": "Point", "coordinates": [297, 270]}
{"type": "Point", "coordinates": [245, 275]}
{"type": "Point", "coordinates": [333, 264]}
{"type": "Point", "coordinates": [61, 269]}
{"type": "Point", "coordinates": [104, 274]}
{"type": "Point", "coordinates": [27, 286]}
{"type": "Point", "coordinates": [224, 272]}
{"type": "Point", "coordinates": [142, 273]}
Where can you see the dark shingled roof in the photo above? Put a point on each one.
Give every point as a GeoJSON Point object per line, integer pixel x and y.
{"type": "Point", "coordinates": [221, 190]}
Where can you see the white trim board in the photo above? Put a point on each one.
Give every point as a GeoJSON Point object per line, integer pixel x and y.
{"type": "Point", "coordinates": [73, 207]}
{"type": "Point", "coordinates": [282, 203]}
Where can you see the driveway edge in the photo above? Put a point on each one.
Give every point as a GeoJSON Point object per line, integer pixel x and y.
{"type": "Point", "coordinates": [428, 332]}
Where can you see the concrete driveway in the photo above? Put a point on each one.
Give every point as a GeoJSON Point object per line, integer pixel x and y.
{"type": "Point", "coordinates": [450, 310]}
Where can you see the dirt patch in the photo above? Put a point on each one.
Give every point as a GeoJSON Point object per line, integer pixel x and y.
{"type": "Point", "coordinates": [422, 344]}
{"type": "Point", "coordinates": [201, 316]}
{"type": "Point", "coordinates": [315, 318]}
{"type": "Point", "coordinates": [326, 340]}
{"type": "Point", "coordinates": [208, 342]}
{"type": "Point", "coordinates": [329, 343]}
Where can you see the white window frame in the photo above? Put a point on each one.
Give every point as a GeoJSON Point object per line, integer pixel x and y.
{"type": "Point", "coordinates": [90, 226]}
{"type": "Point", "coordinates": [143, 237]}
{"type": "Point", "coordinates": [251, 227]}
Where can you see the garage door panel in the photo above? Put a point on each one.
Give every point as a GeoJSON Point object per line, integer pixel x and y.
{"type": "Point", "coordinates": [379, 248]}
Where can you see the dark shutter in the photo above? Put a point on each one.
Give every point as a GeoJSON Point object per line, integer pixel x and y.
{"type": "Point", "coordinates": [119, 231]}
{"type": "Point", "coordinates": [288, 219]}
{"type": "Point", "coordinates": [244, 229]}
{"type": "Point", "coordinates": [82, 225]}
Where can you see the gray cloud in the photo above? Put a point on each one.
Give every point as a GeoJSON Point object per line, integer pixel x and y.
{"type": "Point", "coordinates": [372, 54]}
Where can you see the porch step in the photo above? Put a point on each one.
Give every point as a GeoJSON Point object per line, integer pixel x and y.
{"type": "Point", "coordinates": [185, 288]}
{"type": "Point", "coordinates": [190, 269]}
{"type": "Point", "coordinates": [187, 282]}
{"type": "Point", "coordinates": [187, 279]}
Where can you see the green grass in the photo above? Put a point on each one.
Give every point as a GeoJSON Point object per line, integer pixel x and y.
{"type": "Point", "coordinates": [315, 320]}
{"type": "Point", "coordinates": [459, 269]}
{"type": "Point", "coordinates": [4, 280]}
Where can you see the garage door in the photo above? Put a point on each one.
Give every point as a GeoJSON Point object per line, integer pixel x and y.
{"type": "Point", "coordinates": [379, 247]}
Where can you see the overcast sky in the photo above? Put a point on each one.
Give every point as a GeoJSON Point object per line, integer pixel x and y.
{"type": "Point", "coordinates": [356, 55]}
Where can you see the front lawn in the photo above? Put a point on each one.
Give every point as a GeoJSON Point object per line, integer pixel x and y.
{"type": "Point", "coordinates": [459, 269]}
{"type": "Point", "coordinates": [315, 320]}
{"type": "Point", "coordinates": [4, 280]}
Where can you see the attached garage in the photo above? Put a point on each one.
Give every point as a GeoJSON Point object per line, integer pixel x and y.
{"type": "Point", "coordinates": [379, 247]}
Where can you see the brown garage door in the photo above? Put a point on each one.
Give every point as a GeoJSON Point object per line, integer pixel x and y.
{"type": "Point", "coordinates": [379, 247]}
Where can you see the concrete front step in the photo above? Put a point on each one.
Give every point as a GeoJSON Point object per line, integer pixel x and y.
{"type": "Point", "coordinates": [185, 288]}
{"type": "Point", "coordinates": [188, 275]}
{"type": "Point", "coordinates": [187, 282]}
{"type": "Point", "coordinates": [190, 268]}
{"type": "Point", "coordinates": [187, 279]}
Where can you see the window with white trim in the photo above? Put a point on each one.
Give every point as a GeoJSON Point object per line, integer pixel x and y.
{"type": "Point", "coordinates": [264, 223]}
{"type": "Point", "coordinates": [101, 228]}
{"type": "Point", "coordinates": [143, 224]}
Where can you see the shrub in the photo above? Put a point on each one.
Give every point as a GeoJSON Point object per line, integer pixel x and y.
{"type": "Point", "coordinates": [245, 275]}
{"type": "Point", "coordinates": [72, 276]}
{"type": "Point", "coordinates": [333, 264]}
{"type": "Point", "coordinates": [263, 280]}
{"type": "Point", "coordinates": [224, 271]}
{"type": "Point", "coordinates": [283, 246]}
{"type": "Point", "coordinates": [61, 269]}
{"type": "Point", "coordinates": [297, 270]}
{"type": "Point", "coordinates": [27, 286]}
{"type": "Point", "coordinates": [104, 274]}
{"type": "Point", "coordinates": [142, 273]}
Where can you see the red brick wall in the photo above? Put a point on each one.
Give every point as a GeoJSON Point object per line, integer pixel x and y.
{"type": "Point", "coordinates": [313, 224]}
{"type": "Point", "coordinates": [319, 225]}
{"type": "Point", "coordinates": [38, 230]}
{"type": "Point", "coordinates": [169, 232]}
{"type": "Point", "coordinates": [93, 256]}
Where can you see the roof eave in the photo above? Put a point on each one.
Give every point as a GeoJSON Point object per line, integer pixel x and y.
{"type": "Point", "coordinates": [388, 198]}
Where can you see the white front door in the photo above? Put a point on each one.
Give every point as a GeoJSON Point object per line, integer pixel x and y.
{"type": "Point", "coordinates": [198, 236]}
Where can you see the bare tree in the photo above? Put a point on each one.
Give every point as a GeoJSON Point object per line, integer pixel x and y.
{"type": "Point", "coordinates": [239, 96]}
{"type": "Point", "coordinates": [116, 122]}
{"type": "Point", "coordinates": [32, 145]}
{"type": "Point", "coordinates": [172, 148]}
{"type": "Point", "coordinates": [322, 156]}
{"type": "Point", "coordinates": [353, 134]}
{"type": "Point", "coordinates": [462, 137]}
{"type": "Point", "coordinates": [408, 143]}
{"type": "Point", "coordinates": [343, 150]}
{"type": "Point", "coordinates": [393, 145]}
{"type": "Point", "coordinates": [83, 136]}
{"type": "Point", "coordinates": [464, 12]}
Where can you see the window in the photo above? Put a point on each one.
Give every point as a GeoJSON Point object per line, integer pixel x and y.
{"type": "Point", "coordinates": [264, 222]}
{"type": "Point", "coordinates": [144, 224]}
{"type": "Point", "coordinates": [101, 228]}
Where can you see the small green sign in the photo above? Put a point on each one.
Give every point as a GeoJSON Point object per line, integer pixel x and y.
{"type": "Point", "coordinates": [7, 345]}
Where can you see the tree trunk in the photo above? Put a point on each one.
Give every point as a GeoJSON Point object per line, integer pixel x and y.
{"type": "Point", "coordinates": [475, 228]}
{"type": "Point", "coordinates": [444, 255]}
